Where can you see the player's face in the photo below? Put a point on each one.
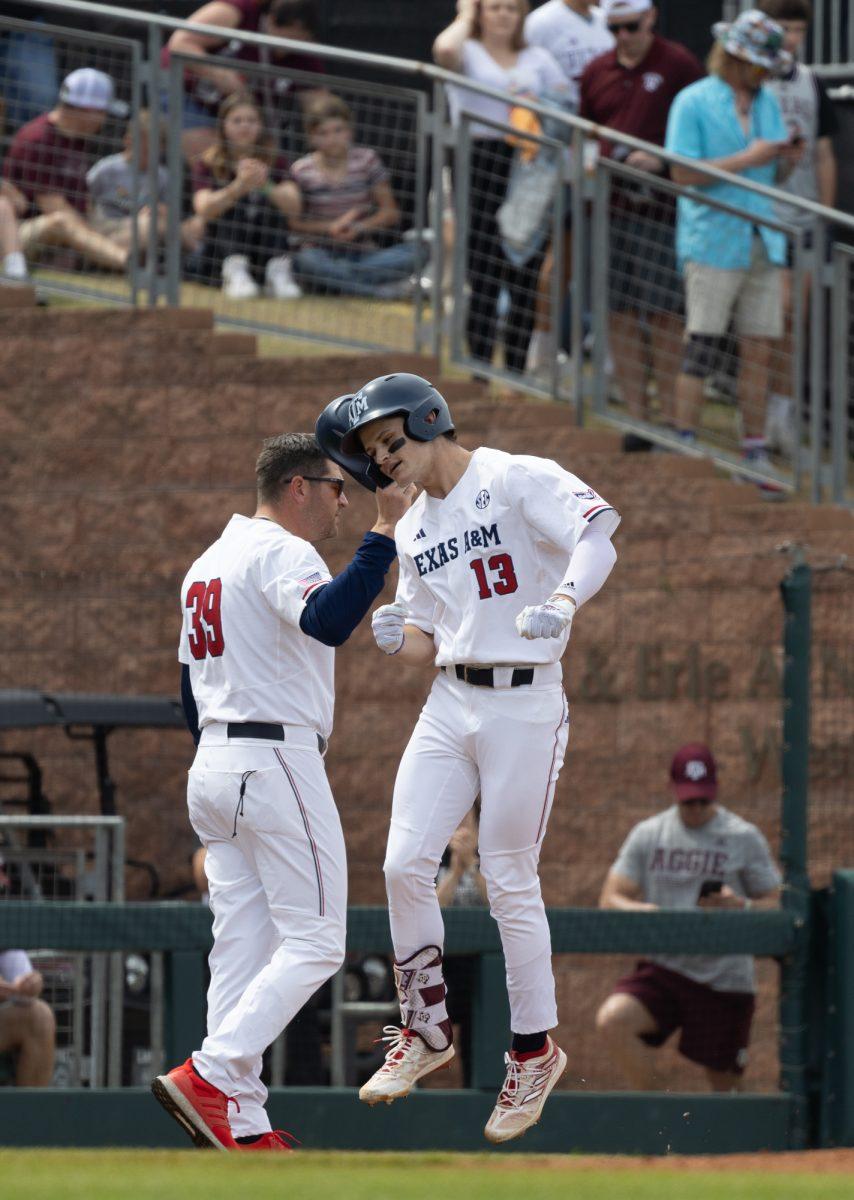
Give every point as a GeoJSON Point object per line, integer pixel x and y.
{"type": "Point", "coordinates": [326, 503]}
{"type": "Point", "coordinates": [395, 454]}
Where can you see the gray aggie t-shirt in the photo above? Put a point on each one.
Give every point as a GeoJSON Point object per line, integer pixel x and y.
{"type": "Point", "coordinates": [670, 863]}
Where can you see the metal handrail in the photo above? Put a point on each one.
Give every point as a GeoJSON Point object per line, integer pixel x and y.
{"type": "Point", "coordinates": [440, 75]}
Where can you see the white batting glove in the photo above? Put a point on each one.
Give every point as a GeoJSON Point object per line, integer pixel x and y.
{"type": "Point", "coordinates": [387, 625]}
{"type": "Point", "coordinates": [549, 620]}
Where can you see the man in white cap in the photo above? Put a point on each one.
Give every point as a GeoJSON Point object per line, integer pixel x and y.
{"type": "Point", "coordinates": [631, 89]}
{"type": "Point", "coordinates": [47, 163]}
{"type": "Point", "coordinates": [732, 265]}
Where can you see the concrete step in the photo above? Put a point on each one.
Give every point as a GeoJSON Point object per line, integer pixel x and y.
{"type": "Point", "coordinates": [56, 322]}
{"type": "Point", "coordinates": [16, 299]}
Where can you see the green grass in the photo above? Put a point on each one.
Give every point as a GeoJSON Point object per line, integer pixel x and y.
{"type": "Point", "coordinates": [161, 1175]}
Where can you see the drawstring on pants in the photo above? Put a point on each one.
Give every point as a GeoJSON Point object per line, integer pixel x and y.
{"type": "Point", "coordinates": [238, 812]}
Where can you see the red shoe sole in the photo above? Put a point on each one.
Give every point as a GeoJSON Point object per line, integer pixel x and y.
{"type": "Point", "coordinates": [203, 1138]}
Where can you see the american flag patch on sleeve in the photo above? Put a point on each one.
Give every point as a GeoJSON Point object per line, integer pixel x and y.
{"type": "Point", "coordinates": [311, 582]}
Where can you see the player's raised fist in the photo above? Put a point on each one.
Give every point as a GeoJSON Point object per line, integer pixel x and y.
{"type": "Point", "coordinates": [549, 620]}
{"type": "Point", "coordinates": [387, 626]}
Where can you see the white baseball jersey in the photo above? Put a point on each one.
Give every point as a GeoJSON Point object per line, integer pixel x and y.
{"type": "Point", "coordinates": [248, 658]}
{"type": "Point", "coordinates": [670, 862]}
{"type": "Point", "coordinates": [500, 540]}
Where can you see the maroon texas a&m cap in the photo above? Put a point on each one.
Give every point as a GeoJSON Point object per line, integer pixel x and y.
{"type": "Point", "coordinates": [693, 772]}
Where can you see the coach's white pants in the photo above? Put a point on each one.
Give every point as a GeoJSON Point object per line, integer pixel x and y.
{"type": "Point", "coordinates": [277, 874]}
{"type": "Point", "coordinates": [507, 745]}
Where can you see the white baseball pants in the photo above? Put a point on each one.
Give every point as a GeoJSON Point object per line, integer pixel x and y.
{"type": "Point", "coordinates": [277, 873]}
{"type": "Point", "coordinates": [507, 745]}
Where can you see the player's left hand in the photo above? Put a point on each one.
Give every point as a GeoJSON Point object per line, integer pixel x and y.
{"type": "Point", "coordinates": [549, 620]}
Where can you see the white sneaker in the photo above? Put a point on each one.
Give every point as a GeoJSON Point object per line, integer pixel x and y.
{"type": "Point", "coordinates": [526, 1089]}
{"type": "Point", "coordinates": [407, 1059]}
{"type": "Point", "coordinates": [237, 281]}
{"type": "Point", "coordinates": [15, 267]}
{"type": "Point", "coordinates": [280, 281]}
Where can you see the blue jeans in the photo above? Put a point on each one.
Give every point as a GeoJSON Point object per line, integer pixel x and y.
{"type": "Point", "coordinates": [348, 274]}
{"type": "Point", "coordinates": [28, 75]}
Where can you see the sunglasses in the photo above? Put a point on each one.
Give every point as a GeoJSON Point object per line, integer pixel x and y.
{"type": "Point", "coordinates": [625, 27]}
{"type": "Point", "coordinates": [336, 480]}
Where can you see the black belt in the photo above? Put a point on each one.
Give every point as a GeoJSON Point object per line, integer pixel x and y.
{"type": "Point", "coordinates": [265, 732]}
{"type": "Point", "coordinates": [483, 676]}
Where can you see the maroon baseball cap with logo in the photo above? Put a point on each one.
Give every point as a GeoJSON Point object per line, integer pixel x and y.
{"type": "Point", "coordinates": [693, 772]}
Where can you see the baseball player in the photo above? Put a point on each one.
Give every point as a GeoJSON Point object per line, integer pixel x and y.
{"type": "Point", "coordinates": [261, 616]}
{"type": "Point", "coordinates": [496, 556]}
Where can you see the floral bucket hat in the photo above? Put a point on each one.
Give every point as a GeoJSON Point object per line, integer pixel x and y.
{"type": "Point", "coordinates": [753, 36]}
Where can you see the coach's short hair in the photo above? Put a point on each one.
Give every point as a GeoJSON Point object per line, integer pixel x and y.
{"type": "Point", "coordinates": [282, 458]}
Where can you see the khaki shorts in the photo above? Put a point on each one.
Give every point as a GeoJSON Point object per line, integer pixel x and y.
{"type": "Point", "coordinates": [752, 299]}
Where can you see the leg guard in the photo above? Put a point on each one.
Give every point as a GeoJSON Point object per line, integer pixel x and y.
{"type": "Point", "coordinates": [421, 991]}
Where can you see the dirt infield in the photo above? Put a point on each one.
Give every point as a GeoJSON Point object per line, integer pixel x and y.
{"type": "Point", "coordinates": [812, 1162]}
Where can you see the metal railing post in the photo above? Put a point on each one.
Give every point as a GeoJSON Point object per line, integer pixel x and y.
{"type": "Point", "coordinates": [174, 168]}
{"type": "Point", "coordinates": [462, 230]}
{"type": "Point", "coordinates": [579, 283]}
{"type": "Point", "coordinates": [155, 44]}
{"type": "Point", "coordinates": [440, 134]}
{"type": "Point", "coordinates": [600, 278]}
{"type": "Point", "coordinates": [843, 261]}
{"type": "Point", "coordinates": [135, 106]}
{"type": "Point", "coordinates": [818, 310]}
{"type": "Point", "coordinates": [796, 591]}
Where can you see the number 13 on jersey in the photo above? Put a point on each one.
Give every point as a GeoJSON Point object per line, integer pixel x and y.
{"type": "Point", "coordinates": [203, 604]}
{"type": "Point", "coordinates": [501, 567]}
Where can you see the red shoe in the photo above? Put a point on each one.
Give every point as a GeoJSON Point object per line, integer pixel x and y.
{"type": "Point", "coordinates": [197, 1105]}
{"type": "Point", "coordinates": [274, 1140]}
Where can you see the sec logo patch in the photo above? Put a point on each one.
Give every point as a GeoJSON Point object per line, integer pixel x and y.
{"type": "Point", "coordinates": [482, 499]}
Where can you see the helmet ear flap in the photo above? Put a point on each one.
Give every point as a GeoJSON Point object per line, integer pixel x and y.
{"type": "Point", "coordinates": [330, 428]}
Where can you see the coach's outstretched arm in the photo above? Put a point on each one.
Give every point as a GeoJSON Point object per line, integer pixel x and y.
{"type": "Point", "coordinates": [333, 611]}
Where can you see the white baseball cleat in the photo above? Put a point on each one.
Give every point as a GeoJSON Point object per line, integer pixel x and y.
{"type": "Point", "coordinates": [526, 1088]}
{"type": "Point", "coordinates": [407, 1059]}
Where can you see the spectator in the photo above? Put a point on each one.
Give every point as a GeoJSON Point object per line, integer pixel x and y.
{"type": "Point", "coordinates": [631, 89]}
{"type": "Point", "coordinates": [242, 192]}
{"type": "Point", "coordinates": [486, 42]}
{"type": "Point", "coordinates": [27, 1024]}
{"type": "Point", "coordinates": [12, 261]}
{"type": "Point", "coordinates": [346, 198]}
{"type": "Point", "coordinates": [115, 195]}
{"type": "Point", "coordinates": [47, 162]}
{"type": "Point", "coordinates": [812, 122]}
{"type": "Point", "coordinates": [460, 884]}
{"type": "Point", "coordinates": [575, 33]}
{"type": "Point", "coordinates": [208, 84]}
{"type": "Point", "coordinates": [695, 854]}
{"type": "Point", "coordinates": [732, 264]}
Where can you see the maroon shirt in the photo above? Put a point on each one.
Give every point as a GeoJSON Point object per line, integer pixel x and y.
{"type": "Point", "coordinates": [265, 87]}
{"type": "Point", "coordinates": [636, 100]}
{"type": "Point", "coordinates": [42, 160]}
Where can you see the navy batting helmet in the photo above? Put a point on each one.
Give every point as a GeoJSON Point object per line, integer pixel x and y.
{"type": "Point", "coordinates": [408, 396]}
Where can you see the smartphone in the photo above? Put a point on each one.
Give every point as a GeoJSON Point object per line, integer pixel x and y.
{"type": "Point", "coordinates": [710, 887]}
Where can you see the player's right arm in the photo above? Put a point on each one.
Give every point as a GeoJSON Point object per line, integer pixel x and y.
{"type": "Point", "coordinates": [405, 628]}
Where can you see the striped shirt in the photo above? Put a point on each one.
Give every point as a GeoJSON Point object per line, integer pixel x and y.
{"type": "Point", "coordinates": [327, 199]}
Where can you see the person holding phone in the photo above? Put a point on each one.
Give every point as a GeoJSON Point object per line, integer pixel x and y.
{"type": "Point", "coordinates": [695, 854]}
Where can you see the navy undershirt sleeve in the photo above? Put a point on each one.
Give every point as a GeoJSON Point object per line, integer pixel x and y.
{"type": "Point", "coordinates": [188, 702]}
{"type": "Point", "coordinates": [332, 612]}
